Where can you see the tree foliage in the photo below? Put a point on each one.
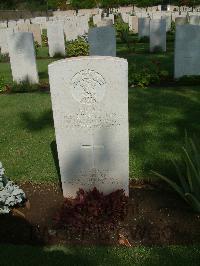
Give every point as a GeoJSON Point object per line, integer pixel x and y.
{"type": "Point", "coordinates": [79, 4]}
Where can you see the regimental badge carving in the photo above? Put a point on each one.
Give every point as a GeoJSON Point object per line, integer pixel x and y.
{"type": "Point", "coordinates": [88, 87]}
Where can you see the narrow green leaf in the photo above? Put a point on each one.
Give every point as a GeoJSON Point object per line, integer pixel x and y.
{"type": "Point", "coordinates": [193, 201]}
{"type": "Point", "coordinates": [171, 183]}
{"type": "Point", "coordinates": [181, 178]}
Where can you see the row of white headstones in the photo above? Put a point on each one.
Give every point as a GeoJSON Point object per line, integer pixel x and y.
{"type": "Point", "coordinates": [102, 42]}
{"type": "Point", "coordinates": [92, 128]}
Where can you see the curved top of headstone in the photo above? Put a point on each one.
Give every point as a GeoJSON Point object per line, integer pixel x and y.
{"type": "Point", "coordinates": [91, 58]}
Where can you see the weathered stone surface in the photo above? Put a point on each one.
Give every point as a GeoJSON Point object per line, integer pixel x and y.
{"type": "Point", "coordinates": [102, 41]}
{"type": "Point", "coordinates": [70, 30]}
{"type": "Point", "coordinates": [133, 24]}
{"type": "Point", "coordinates": [22, 27]}
{"type": "Point", "coordinates": [90, 110]}
{"type": "Point", "coordinates": [187, 56]}
{"type": "Point", "coordinates": [96, 19]}
{"type": "Point", "coordinates": [4, 40]}
{"type": "Point", "coordinates": [35, 29]}
{"type": "Point", "coordinates": [143, 27]}
{"type": "Point", "coordinates": [105, 22]}
{"type": "Point", "coordinates": [12, 24]}
{"type": "Point", "coordinates": [181, 20]}
{"type": "Point", "coordinates": [194, 20]}
{"type": "Point", "coordinates": [22, 57]}
{"type": "Point", "coordinates": [168, 22]}
{"type": "Point", "coordinates": [157, 35]}
{"type": "Point", "coordinates": [56, 40]}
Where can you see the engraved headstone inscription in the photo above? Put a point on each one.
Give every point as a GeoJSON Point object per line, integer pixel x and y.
{"type": "Point", "coordinates": [90, 110]}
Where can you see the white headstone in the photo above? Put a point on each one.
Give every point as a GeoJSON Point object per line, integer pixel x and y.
{"type": "Point", "coordinates": [70, 30]}
{"type": "Point", "coordinates": [102, 41]}
{"type": "Point", "coordinates": [90, 110]}
{"type": "Point", "coordinates": [105, 22]}
{"type": "Point", "coordinates": [157, 35]}
{"type": "Point", "coordinates": [168, 22]}
{"type": "Point", "coordinates": [96, 19]}
{"type": "Point", "coordinates": [35, 29]}
{"type": "Point", "coordinates": [22, 57]}
{"type": "Point", "coordinates": [143, 27]}
{"type": "Point", "coordinates": [4, 40]}
{"type": "Point", "coordinates": [133, 24]}
{"type": "Point", "coordinates": [56, 40]}
{"type": "Point", "coordinates": [194, 20]}
{"type": "Point", "coordinates": [187, 50]}
{"type": "Point", "coordinates": [181, 20]}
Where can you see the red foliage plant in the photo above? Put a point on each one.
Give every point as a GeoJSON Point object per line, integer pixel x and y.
{"type": "Point", "coordinates": [92, 209]}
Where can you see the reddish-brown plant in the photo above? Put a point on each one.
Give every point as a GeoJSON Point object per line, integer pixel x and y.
{"type": "Point", "coordinates": [92, 209]}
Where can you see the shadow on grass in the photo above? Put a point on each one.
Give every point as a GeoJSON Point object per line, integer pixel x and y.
{"type": "Point", "coordinates": [34, 123]}
{"type": "Point", "coordinates": [158, 119]}
{"type": "Point", "coordinates": [43, 75]}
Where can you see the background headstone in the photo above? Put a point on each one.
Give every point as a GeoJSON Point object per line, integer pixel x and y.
{"type": "Point", "coordinates": [187, 51]}
{"type": "Point", "coordinates": [102, 41]}
{"type": "Point", "coordinates": [4, 40]}
{"type": "Point", "coordinates": [35, 29]}
{"type": "Point", "coordinates": [90, 110]}
{"type": "Point", "coordinates": [133, 24]}
{"type": "Point", "coordinates": [143, 27]}
{"type": "Point", "coordinates": [158, 35]}
{"type": "Point", "coordinates": [22, 57]}
{"type": "Point", "coordinates": [181, 20]}
{"type": "Point", "coordinates": [56, 40]}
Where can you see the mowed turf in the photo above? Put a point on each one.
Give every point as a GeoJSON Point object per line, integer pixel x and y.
{"type": "Point", "coordinates": [158, 118]}
{"type": "Point", "coordinates": [99, 256]}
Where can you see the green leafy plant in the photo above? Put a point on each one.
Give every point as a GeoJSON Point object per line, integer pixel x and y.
{"type": "Point", "coordinates": [4, 57]}
{"type": "Point", "coordinates": [173, 26]}
{"type": "Point", "coordinates": [44, 40]}
{"type": "Point", "coordinates": [122, 29]}
{"type": "Point", "coordinates": [3, 85]}
{"type": "Point", "coordinates": [36, 47]}
{"type": "Point", "coordinates": [79, 47]}
{"type": "Point", "coordinates": [24, 86]}
{"type": "Point", "coordinates": [144, 39]}
{"type": "Point", "coordinates": [157, 49]}
{"type": "Point", "coordinates": [150, 73]}
{"type": "Point", "coordinates": [188, 186]}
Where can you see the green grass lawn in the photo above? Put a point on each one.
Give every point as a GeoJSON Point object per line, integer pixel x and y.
{"type": "Point", "coordinates": [99, 256]}
{"type": "Point", "coordinates": [158, 118]}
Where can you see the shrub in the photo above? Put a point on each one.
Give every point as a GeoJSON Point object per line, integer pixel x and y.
{"type": "Point", "coordinates": [3, 85]}
{"type": "Point", "coordinates": [144, 39]}
{"type": "Point", "coordinates": [92, 209]}
{"type": "Point", "coordinates": [173, 26]}
{"type": "Point", "coordinates": [4, 57]}
{"type": "Point", "coordinates": [79, 47]}
{"type": "Point", "coordinates": [189, 182]}
{"type": "Point", "coordinates": [146, 74]}
{"type": "Point", "coordinates": [24, 86]}
{"type": "Point", "coordinates": [157, 49]}
{"type": "Point", "coordinates": [122, 29]}
{"type": "Point", "coordinates": [44, 40]}
{"type": "Point", "coordinates": [10, 194]}
{"type": "Point", "coordinates": [36, 44]}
